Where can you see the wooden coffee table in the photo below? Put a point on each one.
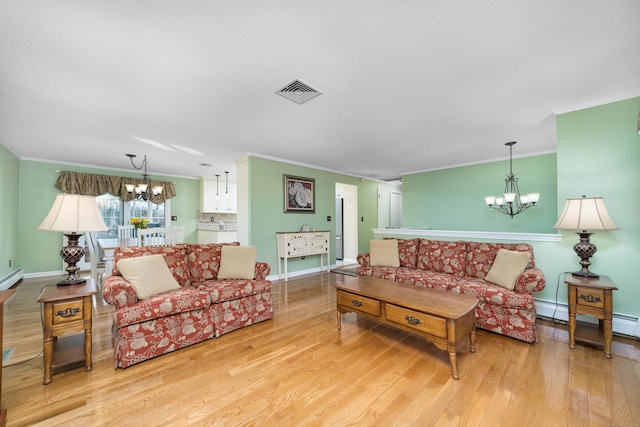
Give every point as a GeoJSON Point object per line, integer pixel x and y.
{"type": "Point", "coordinates": [441, 317]}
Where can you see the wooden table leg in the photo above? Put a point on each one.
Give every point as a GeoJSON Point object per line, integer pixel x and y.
{"type": "Point", "coordinates": [572, 317]}
{"type": "Point", "coordinates": [339, 320]}
{"type": "Point", "coordinates": [472, 339]}
{"type": "Point", "coordinates": [454, 363]}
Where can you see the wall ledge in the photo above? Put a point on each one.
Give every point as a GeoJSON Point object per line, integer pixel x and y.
{"type": "Point", "coordinates": [490, 235]}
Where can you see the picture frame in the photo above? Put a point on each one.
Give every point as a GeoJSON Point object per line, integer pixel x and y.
{"type": "Point", "coordinates": [299, 194]}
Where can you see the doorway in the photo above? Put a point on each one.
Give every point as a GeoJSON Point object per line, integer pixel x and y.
{"type": "Point", "coordinates": [346, 224]}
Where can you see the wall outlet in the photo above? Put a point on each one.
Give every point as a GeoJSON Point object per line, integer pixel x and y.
{"type": "Point", "coordinates": [329, 218]}
{"type": "Point", "coordinates": [9, 263]}
{"type": "Point", "coordinates": [174, 217]}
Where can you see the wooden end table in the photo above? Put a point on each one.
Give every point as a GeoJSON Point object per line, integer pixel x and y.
{"type": "Point", "coordinates": [66, 308]}
{"type": "Point", "coordinates": [592, 296]}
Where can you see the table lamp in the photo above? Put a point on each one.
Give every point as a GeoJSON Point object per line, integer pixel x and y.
{"type": "Point", "coordinates": [585, 213]}
{"type": "Point", "coordinates": [73, 214]}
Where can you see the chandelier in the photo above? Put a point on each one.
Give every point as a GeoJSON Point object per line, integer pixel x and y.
{"type": "Point", "coordinates": [142, 189]}
{"type": "Point", "coordinates": [511, 202]}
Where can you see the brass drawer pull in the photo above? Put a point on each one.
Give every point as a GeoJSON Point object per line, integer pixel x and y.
{"type": "Point", "coordinates": [590, 298]}
{"type": "Point", "coordinates": [412, 320]}
{"type": "Point", "coordinates": [356, 303]}
{"type": "Point", "coordinates": [69, 312]}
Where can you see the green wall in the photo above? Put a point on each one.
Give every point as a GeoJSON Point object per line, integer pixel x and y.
{"type": "Point", "coordinates": [9, 219]}
{"type": "Point", "coordinates": [267, 215]}
{"type": "Point", "coordinates": [38, 250]}
{"type": "Point", "coordinates": [599, 155]}
{"type": "Point", "coordinates": [598, 150]}
{"type": "Point", "coordinates": [453, 199]}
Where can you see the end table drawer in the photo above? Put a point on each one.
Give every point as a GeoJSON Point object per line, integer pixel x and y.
{"type": "Point", "coordinates": [423, 322]}
{"type": "Point", "coordinates": [67, 312]}
{"type": "Point", "coordinates": [590, 297]}
{"type": "Point", "coordinates": [360, 303]}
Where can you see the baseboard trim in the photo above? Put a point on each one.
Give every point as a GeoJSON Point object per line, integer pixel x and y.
{"type": "Point", "coordinates": [622, 324]}
{"type": "Point", "coordinates": [11, 279]}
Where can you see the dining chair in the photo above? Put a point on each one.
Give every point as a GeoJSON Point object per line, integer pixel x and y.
{"type": "Point", "coordinates": [179, 231]}
{"type": "Point", "coordinates": [96, 256]}
{"type": "Point", "coordinates": [126, 235]}
{"type": "Point", "coordinates": [158, 236]}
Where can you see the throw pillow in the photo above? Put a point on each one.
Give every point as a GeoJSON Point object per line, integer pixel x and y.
{"type": "Point", "coordinates": [149, 275]}
{"type": "Point", "coordinates": [384, 253]}
{"type": "Point", "coordinates": [238, 262]}
{"type": "Point", "coordinates": [507, 267]}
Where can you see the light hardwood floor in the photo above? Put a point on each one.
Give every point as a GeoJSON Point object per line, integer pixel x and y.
{"type": "Point", "coordinates": [299, 370]}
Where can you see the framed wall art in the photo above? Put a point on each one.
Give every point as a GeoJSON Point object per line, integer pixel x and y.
{"type": "Point", "coordinates": [299, 194]}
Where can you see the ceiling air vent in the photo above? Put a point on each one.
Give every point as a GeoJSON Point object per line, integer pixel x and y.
{"type": "Point", "coordinates": [298, 92]}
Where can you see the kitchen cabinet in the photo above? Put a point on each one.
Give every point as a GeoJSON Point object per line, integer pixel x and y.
{"type": "Point", "coordinates": [209, 189]}
{"type": "Point", "coordinates": [206, 236]}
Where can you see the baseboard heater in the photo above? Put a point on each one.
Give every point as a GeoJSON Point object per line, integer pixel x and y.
{"type": "Point", "coordinates": [11, 279]}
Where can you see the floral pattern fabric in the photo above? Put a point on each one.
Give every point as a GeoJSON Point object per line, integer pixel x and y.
{"type": "Point", "coordinates": [142, 341]}
{"type": "Point", "coordinates": [200, 310]}
{"type": "Point", "coordinates": [460, 267]}
{"type": "Point", "coordinates": [442, 257]}
{"type": "Point", "coordinates": [407, 252]}
{"type": "Point", "coordinates": [204, 261]}
{"type": "Point", "coordinates": [238, 313]}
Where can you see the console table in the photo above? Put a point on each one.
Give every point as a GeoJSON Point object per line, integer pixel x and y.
{"type": "Point", "coordinates": [66, 308]}
{"type": "Point", "coordinates": [301, 244]}
{"type": "Point", "coordinates": [592, 296]}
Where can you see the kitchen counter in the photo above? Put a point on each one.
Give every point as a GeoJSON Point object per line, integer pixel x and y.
{"type": "Point", "coordinates": [217, 236]}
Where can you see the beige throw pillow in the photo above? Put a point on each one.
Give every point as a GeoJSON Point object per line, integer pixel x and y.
{"type": "Point", "coordinates": [507, 267]}
{"type": "Point", "coordinates": [148, 274]}
{"type": "Point", "coordinates": [238, 262]}
{"type": "Point", "coordinates": [384, 253]}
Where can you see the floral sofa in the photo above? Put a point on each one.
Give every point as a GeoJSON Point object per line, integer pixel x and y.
{"type": "Point", "coordinates": [201, 308]}
{"type": "Point", "coordinates": [461, 267]}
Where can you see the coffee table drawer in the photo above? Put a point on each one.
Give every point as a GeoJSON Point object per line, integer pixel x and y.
{"type": "Point", "coordinates": [590, 297]}
{"type": "Point", "coordinates": [422, 322]}
{"type": "Point", "coordinates": [358, 302]}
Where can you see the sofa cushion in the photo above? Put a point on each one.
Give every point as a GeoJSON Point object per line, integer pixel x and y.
{"type": "Point", "coordinates": [407, 252]}
{"type": "Point", "coordinates": [183, 300]}
{"type": "Point", "coordinates": [237, 262]}
{"type": "Point", "coordinates": [149, 275]}
{"type": "Point", "coordinates": [507, 267]}
{"type": "Point", "coordinates": [176, 258]}
{"type": "Point", "coordinates": [204, 261]}
{"type": "Point", "coordinates": [492, 294]}
{"type": "Point", "coordinates": [384, 253]}
{"type": "Point", "coordinates": [442, 257]}
{"type": "Point", "coordinates": [480, 256]}
{"type": "Point", "coordinates": [426, 278]}
{"type": "Point", "coordinates": [225, 290]}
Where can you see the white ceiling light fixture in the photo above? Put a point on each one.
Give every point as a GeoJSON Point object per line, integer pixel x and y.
{"type": "Point", "coordinates": [299, 92]}
{"type": "Point", "coordinates": [512, 203]}
{"type": "Point", "coordinates": [141, 189]}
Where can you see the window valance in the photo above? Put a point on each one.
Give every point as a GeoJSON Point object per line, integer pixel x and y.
{"type": "Point", "coordinates": [90, 184]}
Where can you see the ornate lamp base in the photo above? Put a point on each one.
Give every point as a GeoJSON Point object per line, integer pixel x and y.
{"type": "Point", "coordinates": [585, 250]}
{"type": "Point", "coordinates": [72, 254]}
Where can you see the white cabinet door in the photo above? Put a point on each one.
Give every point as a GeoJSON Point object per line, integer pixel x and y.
{"type": "Point", "coordinates": [216, 197]}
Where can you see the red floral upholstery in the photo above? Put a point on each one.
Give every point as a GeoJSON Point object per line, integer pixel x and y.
{"type": "Point", "coordinates": [142, 341]}
{"type": "Point", "coordinates": [480, 256]}
{"type": "Point", "coordinates": [238, 313]}
{"type": "Point", "coordinates": [442, 257]}
{"type": "Point", "coordinates": [202, 309]}
{"type": "Point", "coordinates": [460, 267]}
{"type": "Point", "coordinates": [179, 301]}
{"type": "Point", "coordinates": [204, 261]}
{"type": "Point", "coordinates": [407, 252]}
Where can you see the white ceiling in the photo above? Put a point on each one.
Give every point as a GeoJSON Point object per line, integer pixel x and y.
{"type": "Point", "coordinates": [407, 85]}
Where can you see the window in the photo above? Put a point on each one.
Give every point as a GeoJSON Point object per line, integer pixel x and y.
{"type": "Point", "coordinates": [115, 212]}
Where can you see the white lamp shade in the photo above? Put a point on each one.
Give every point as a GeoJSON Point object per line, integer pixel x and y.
{"type": "Point", "coordinates": [585, 213]}
{"type": "Point", "coordinates": [74, 213]}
